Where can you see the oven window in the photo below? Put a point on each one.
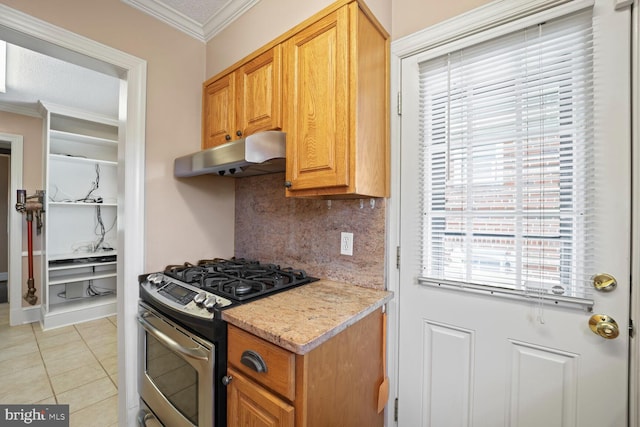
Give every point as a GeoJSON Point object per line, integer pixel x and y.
{"type": "Point", "coordinates": [175, 378]}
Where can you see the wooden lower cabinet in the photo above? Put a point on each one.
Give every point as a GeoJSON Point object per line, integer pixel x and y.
{"type": "Point", "coordinates": [251, 405]}
{"type": "Point", "coordinates": [335, 384]}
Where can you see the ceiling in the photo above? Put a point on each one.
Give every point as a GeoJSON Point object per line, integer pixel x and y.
{"type": "Point", "coordinates": [201, 19]}
{"type": "Point", "coordinates": [33, 76]}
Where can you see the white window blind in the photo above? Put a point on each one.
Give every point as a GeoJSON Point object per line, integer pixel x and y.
{"type": "Point", "coordinates": [506, 149]}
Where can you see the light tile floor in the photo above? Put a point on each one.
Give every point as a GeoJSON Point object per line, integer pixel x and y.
{"type": "Point", "coordinates": [75, 365]}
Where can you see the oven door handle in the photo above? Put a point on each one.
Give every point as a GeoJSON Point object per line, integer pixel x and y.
{"type": "Point", "coordinates": [193, 353]}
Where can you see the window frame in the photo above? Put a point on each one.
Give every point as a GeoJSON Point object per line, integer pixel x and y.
{"type": "Point", "coordinates": [459, 220]}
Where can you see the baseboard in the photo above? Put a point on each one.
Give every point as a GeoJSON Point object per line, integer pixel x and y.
{"type": "Point", "coordinates": [23, 315]}
{"type": "Point", "coordinates": [4, 276]}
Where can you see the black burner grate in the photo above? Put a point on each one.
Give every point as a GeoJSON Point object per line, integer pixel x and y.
{"type": "Point", "coordinates": [238, 278]}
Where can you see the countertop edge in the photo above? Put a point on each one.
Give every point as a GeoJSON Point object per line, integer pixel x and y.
{"type": "Point", "coordinates": [315, 342]}
{"type": "Point", "coordinates": [303, 349]}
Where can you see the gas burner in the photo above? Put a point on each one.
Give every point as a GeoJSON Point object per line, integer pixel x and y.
{"type": "Point", "coordinates": [240, 288]}
{"type": "Point", "coordinates": [212, 282]}
{"type": "Point", "coordinates": [187, 273]}
{"type": "Point", "coordinates": [238, 278]}
{"type": "Point", "coordinates": [173, 267]}
{"type": "Point", "coordinates": [235, 288]}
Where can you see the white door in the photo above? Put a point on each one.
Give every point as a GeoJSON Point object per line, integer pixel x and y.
{"type": "Point", "coordinates": [520, 353]}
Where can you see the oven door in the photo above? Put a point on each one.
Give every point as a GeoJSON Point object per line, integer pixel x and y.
{"type": "Point", "coordinates": [176, 371]}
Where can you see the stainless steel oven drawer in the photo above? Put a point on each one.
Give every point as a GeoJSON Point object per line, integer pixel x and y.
{"type": "Point", "coordinates": [176, 372]}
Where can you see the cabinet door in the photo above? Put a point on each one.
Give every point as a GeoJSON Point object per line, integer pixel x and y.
{"type": "Point", "coordinates": [316, 99]}
{"type": "Point", "coordinates": [218, 112]}
{"type": "Point", "coordinates": [249, 404]}
{"type": "Point", "coordinates": [259, 93]}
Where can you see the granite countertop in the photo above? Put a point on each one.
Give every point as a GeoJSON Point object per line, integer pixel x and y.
{"type": "Point", "coordinates": [302, 318]}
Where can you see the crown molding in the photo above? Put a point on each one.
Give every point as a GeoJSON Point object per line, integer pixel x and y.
{"type": "Point", "coordinates": [225, 16]}
{"type": "Point", "coordinates": [23, 110]}
{"type": "Point", "coordinates": [203, 32]}
{"type": "Point", "coordinates": [476, 21]}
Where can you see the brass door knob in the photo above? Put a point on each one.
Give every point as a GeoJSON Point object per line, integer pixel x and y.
{"type": "Point", "coordinates": [604, 326]}
{"type": "Point", "coordinates": [604, 282]}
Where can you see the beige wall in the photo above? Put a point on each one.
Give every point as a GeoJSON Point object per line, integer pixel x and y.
{"type": "Point", "coordinates": [31, 130]}
{"type": "Point", "coordinates": [410, 16]}
{"type": "Point", "coordinates": [185, 220]}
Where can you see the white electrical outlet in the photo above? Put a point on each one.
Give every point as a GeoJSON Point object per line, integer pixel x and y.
{"type": "Point", "coordinates": [346, 243]}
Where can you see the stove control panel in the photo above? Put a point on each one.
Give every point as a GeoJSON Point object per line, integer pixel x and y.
{"type": "Point", "coordinates": [183, 297]}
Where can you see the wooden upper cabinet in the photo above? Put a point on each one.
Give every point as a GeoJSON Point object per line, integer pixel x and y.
{"type": "Point", "coordinates": [244, 101]}
{"type": "Point", "coordinates": [259, 94]}
{"type": "Point", "coordinates": [219, 111]}
{"type": "Point", "coordinates": [336, 106]}
{"type": "Point", "coordinates": [325, 83]}
{"type": "Point", "coordinates": [316, 102]}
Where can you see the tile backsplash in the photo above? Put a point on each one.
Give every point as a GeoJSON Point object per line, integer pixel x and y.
{"type": "Point", "coordinates": [305, 233]}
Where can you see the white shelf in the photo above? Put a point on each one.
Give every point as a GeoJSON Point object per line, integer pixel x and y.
{"type": "Point", "coordinates": [72, 159]}
{"type": "Point", "coordinates": [81, 277]}
{"type": "Point", "coordinates": [81, 303]}
{"type": "Point", "coordinates": [75, 147]}
{"type": "Point", "coordinates": [75, 255]}
{"type": "Point", "coordinates": [77, 204]}
{"type": "Point", "coordinates": [74, 265]}
{"type": "Point", "coordinates": [78, 310]}
{"type": "Point", "coordinates": [76, 137]}
{"type": "Point", "coordinates": [81, 152]}
{"type": "Point", "coordinates": [72, 178]}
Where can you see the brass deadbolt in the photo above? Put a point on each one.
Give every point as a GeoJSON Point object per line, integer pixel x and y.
{"type": "Point", "coordinates": [604, 326]}
{"type": "Point", "coordinates": [604, 282]}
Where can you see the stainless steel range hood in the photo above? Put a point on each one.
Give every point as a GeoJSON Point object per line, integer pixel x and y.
{"type": "Point", "coordinates": [256, 154]}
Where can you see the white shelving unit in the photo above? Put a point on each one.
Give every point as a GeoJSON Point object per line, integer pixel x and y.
{"type": "Point", "coordinates": [80, 253]}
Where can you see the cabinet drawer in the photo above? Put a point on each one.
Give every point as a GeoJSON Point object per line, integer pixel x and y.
{"type": "Point", "coordinates": [279, 375]}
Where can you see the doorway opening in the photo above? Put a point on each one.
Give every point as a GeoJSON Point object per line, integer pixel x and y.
{"type": "Point", "coordinates": [22, 29]}
{"type": "Point", "coordinates": [5, 183]}
{"type": "Point", "coordinates": [11, 146]}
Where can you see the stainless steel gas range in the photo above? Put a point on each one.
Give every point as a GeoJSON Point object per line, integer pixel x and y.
{"type": "Point", "coordinates": [183, 339]}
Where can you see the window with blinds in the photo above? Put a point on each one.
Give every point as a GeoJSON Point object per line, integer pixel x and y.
{"type": "Point", "coordinates": [506, 149]}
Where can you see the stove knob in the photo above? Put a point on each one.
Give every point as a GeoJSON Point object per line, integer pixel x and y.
{"type": "Point", "coordinates": [155, 279]}
{"type": "Point", "coordinates": [200, 298]}
{"type": "Point", "coordinates": [210, 303]}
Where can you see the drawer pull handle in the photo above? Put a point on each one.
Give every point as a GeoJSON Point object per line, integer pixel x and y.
{"type": "Point", "coordinates": [253, 360]}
